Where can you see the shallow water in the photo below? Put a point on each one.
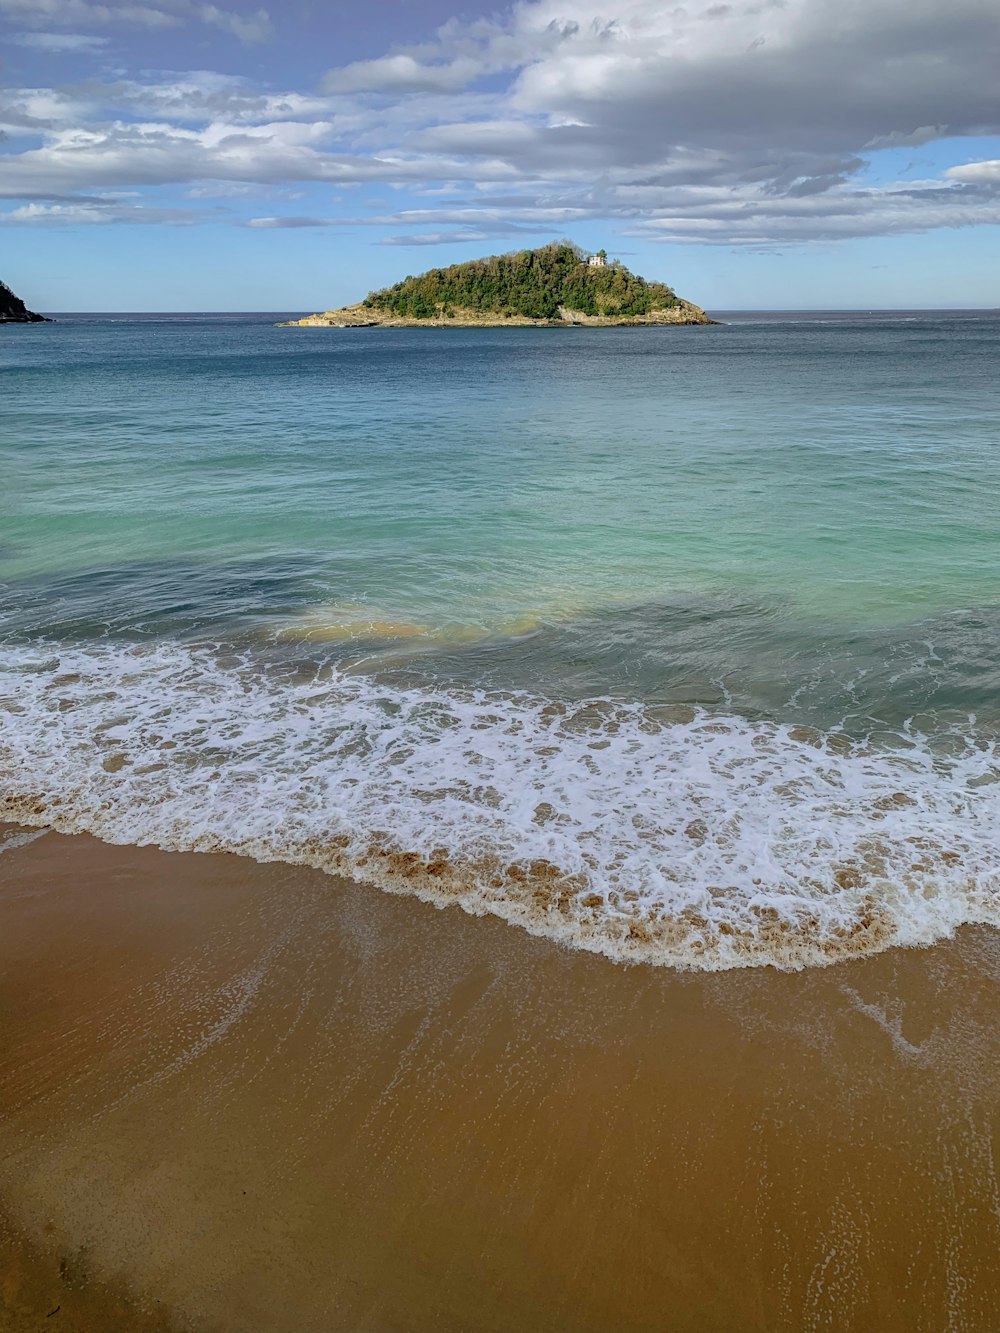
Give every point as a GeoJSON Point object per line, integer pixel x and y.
{"type": "Point", "coordinates": [673, 643]}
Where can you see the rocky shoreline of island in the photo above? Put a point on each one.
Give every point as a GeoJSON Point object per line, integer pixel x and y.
{"type": "Point", "coordinates": [360, 316]}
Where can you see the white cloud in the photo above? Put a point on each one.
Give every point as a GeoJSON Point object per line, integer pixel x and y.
{"type": "Point", "coordinates": [450, 237]}
{"type": "Point", "coordinates": [33, 110]}
{"type": "Point", "coordinates": [81, 13]}
{"type": "Point", "coordinates": [249, 28]}
{"type": "Point", "coordinates": [475, 137]}
{"type": "Point", "coordinates": [60, 43]}
{"type": "Point", "coordinates": [254, 27]}
{"type": "Point", "coordinates": [49, 213]}
{"type": "Point", "coordinates": [400, 74]}
{"type": "Point", "coordinates": [154, 153]}
{"type": "Point", "coordinates": [96, 212]}
{"type": "Point", "coordinates": [839, 215]}
{"type": "Point", "coordinates": [197, 97]}
{"type": "Point", "coordinates": [976, 173]}
{"type": "Point", "coordinates": [903, 139]}
{"type": "Point", "coordinates": [280, 223]}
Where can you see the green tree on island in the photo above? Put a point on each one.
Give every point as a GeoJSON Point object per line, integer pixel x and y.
{"type": "Point", "coordinates": [529, 284]}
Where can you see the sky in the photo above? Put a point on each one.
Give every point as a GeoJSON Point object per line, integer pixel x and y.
{"type": "Point", "coordinates": [755, 154]}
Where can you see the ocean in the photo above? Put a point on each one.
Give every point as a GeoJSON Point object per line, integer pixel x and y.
{"type": "Point", "coordinates": [675, 644]}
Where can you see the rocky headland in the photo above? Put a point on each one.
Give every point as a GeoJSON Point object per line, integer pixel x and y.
{"type": "Point", "coordinates": [14, 311]}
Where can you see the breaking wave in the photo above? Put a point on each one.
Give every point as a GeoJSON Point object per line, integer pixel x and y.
{"type": "Point", "coordinates": [673, 837]}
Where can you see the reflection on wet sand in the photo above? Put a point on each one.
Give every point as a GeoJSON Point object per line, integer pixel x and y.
{"type": "Point", "coordinates": [258, 1098]}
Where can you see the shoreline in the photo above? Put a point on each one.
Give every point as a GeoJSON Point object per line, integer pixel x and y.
{"type": "Point", "coordinates": [259, 1097]}
{"type": "Point", "coordinates": [585, 823]}
{"type": "Point", "coordinates": [360, 316]}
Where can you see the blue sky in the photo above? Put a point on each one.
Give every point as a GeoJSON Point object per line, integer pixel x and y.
{"type": "Point", "coordinates": [181, 155]}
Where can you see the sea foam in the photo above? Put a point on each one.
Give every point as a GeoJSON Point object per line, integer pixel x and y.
{"type": "Point", "coordinates": [688, 839]}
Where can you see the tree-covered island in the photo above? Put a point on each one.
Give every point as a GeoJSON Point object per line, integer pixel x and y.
{"type": "Point", "coordinates": [556, 285]}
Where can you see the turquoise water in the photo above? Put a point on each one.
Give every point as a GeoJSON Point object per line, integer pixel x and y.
{"type": "Point", "coordinates": [770, 524]}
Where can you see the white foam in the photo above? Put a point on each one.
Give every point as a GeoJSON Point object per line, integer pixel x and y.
{"type": "Point", "coordinates": [704, 842]}
{"type": "Point", "coordinates": [10, 842]}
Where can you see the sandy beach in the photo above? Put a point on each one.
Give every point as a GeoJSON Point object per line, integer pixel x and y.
{"type": "Point", "coordinates": [246, 1098]}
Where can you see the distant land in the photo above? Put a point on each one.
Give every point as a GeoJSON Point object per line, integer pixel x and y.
{"type": "Point", "coordinates": [558, 285]}
{"type": "Point", "coordinates": [14, 311]}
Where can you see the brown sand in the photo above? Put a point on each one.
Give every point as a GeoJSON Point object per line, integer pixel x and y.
{"type": "Point", "coordinates": [256, 1099]}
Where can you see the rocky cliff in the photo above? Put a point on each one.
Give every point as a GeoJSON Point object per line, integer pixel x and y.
{"type": "Point", "coordinates": [14, 311]}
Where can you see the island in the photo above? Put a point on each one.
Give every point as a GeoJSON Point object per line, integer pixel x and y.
{"type": "Point", "coordinates": [555, 286]}
{"type": "Point", "coordinates": [14, 311]}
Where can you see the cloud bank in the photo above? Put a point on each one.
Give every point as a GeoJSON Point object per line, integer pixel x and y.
{"type": "Point", "coordinates": [749, 123]}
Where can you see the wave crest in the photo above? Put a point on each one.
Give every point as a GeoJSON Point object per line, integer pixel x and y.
{"type": "Point", "coordinates": [672, 837]}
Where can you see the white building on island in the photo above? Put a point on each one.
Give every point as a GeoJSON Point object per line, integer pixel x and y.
{"type": "Point", "coordinates": [599, 260]}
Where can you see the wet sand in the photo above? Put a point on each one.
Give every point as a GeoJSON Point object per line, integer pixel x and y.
{"type": "Point", "coordinates": [256, 1099]}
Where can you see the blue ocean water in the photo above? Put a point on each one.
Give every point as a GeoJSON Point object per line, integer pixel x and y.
{"type": "Point", "coordinates": [676, 643]}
